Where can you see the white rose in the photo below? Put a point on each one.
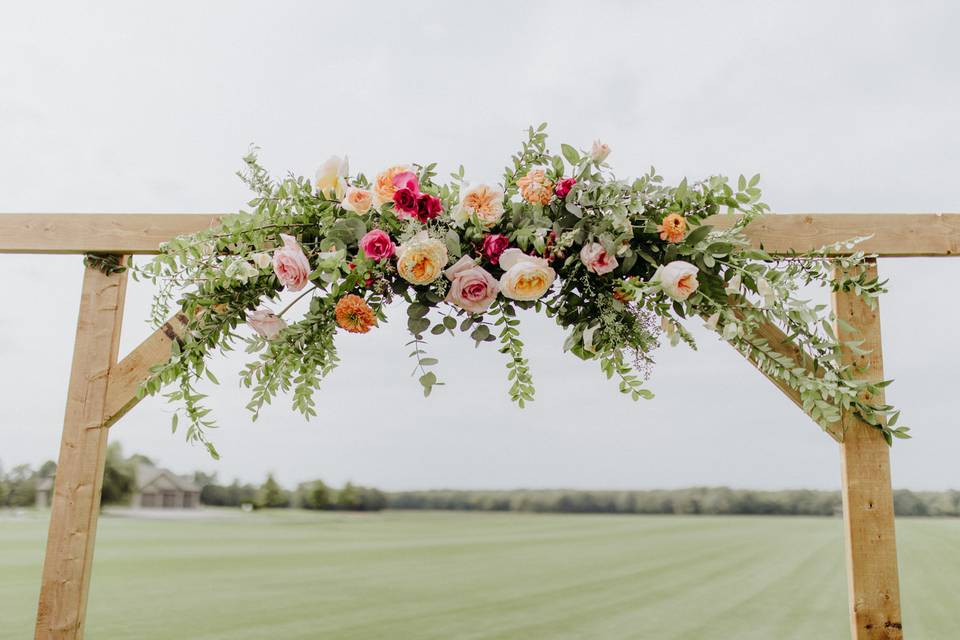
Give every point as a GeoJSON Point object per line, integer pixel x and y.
{"type": "Point", "coordinates": [526, 277]}
{"type": "Point", "coordinates": [678, 279]}
{"type": "Point", "coordinates": [332, 176]}
{"type": "Point", "coordinates": [262, 259]}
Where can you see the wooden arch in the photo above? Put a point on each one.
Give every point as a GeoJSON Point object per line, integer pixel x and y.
{"type": "Point", "coordinates": [103, 389]}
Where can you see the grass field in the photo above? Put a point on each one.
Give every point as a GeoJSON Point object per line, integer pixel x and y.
{"type": "Point", "coordinates": [415, 575]}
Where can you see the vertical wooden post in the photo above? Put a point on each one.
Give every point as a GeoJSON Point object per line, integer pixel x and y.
{"type": "Point", "coordinates": [76, 497]}
{"type": "Point", "coordinates": [873, 581]}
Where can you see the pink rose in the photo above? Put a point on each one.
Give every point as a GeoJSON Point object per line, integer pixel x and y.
{"type": "Point", "coordinates": [563, 187]}
{"type": "Point", "coordinates": [472, 288]}
{"type": "Point", "coordinates": [494, 245]}
{"type": "Point", "coordinates": [290, 265]}
{"type": "Point", "coordinates": [596, 259]}
{"type": "Point", "coordinates": [407, 180]}
{"type": "Point", "coordinates": [405, 202]}
{"type": "Point", "coordinates": [266, 323]}
{"type": "Point", "coordinates": [377, 245]}
{"type": "Point", "coordinates": [428, 207]}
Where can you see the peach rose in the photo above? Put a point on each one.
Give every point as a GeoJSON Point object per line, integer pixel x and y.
{"type": "Point", "coordinates": [480, 200]}
{"type": "Point", "coordinates": [266, 323]}
{"type": "Point", "coordinates": [421, 259]}
{"type": "Point", "coordinates": [678, 279]}
{"type": "Point", "coordinates": [383, 186]}
{"type": "Point", "coordinates": [599, 151]}
{"type": "Point", "coordinates": [357, 200]}
{"type": "Point", "coordinates": [526, 277]}
{"type": "Point", "coordinates": [290, 265]}
{"type": "Point", "coordinates": [472, 288]}
{"type": "Point", "coordinates": [535, 187]}
{"type": "Point", "coordinates": [331, 179]}
{"type": "Point", "coordinates": [596, 259]}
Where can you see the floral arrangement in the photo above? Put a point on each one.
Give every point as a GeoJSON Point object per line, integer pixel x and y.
{"type": "Point", "coordinates": [620, 264]}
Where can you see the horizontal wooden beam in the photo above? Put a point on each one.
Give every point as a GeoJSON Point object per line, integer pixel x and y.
{"type": "Point", "coordinates": [894, 234]}
{"type": "Point", "coordinates": [118, 233]}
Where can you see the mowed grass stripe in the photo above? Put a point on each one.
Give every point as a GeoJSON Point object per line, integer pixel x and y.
{"type": "Point", "coordinates": [432, 575]}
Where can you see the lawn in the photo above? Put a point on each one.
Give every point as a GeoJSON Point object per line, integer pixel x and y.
{"type": "Point", "coordinates": [414, 575]}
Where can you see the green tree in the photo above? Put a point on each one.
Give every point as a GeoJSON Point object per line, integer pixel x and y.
{"type": "Point", "coordinates": [272, 495]}
{"type": "Point", "coordinates": [119, 477]}
{"type": "Point", "coordinates": [317, 496]}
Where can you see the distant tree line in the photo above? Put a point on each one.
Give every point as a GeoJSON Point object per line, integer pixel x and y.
{"type": "Point", "coordinates": [696, 500]}
{"type": "Point", "coordinates": [18, 489]}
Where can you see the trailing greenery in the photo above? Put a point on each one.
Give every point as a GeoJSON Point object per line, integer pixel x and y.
{"type": "Point", "coordinates": [619, 263]}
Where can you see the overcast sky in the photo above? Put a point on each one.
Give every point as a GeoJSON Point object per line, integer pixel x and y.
{"type": "Point", "coordinates": [148, 107]}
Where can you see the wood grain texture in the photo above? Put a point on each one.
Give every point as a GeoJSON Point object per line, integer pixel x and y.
{"type": "Point", "coordinates": [79, 479]}
{"type": "Point", "coordinates": [96, 232]}
{"type": "Point", "coordinates": [894, 234]}
{"type": "Point", "coordinates": [873, 580]}
{"type": "Point", "coordinates": [127, 374]}
{"type": "Point", "coordinates": [778, 341]}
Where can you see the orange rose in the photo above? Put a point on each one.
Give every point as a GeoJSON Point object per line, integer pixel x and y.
{"type": "Point", "coordinates": [673, 228]}
{"type": "Point", "coordinates": [535, 187]}
{"type": "Point", "coordinates": [354, 314]}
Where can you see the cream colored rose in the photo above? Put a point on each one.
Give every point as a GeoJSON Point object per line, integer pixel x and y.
{"type": "Point", "coordinates": [526, 277]}
{"type": "Point", "coordinates": [383, 187]}
{"type": "Point", "coordinates": [357, 200]}
{"type": "Point", "coordinates": [480, 200]}
{"type": "Point", "coordinates": [331, 178]}
{"type": "Point", "coordinates": [262, 259]}
{"type": "Point", "coordinates": [421, 259]}
{"type": "Point", "coordinates": [599, 151]}
{"type": "Point", "coordinates": [678, 279]}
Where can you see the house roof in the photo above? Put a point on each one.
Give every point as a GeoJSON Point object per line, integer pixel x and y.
{"type": "Point", "coordinates": [151, 477]}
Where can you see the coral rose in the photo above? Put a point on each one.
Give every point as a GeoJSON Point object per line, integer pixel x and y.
{"type": "Point", "coordinates": [421, 259]}
{"type": "Point", "coordinates": [266, 322]}
{"type": "Point", "coordinates": [290, 265]}
{"type": "Point", "coordinates": [673, 228]}
{"type": "Point", "coordinates": [354, 314]}
{"type": "Point", "coordinates": [377, 245]}
{"type": "Point", "coordinates": [678, 279]}
{"type": "Point", "coordinates": [535, 187]}
{"type": "Point", "coordinates": [332, 175]}
{"type": "Point", "coordinates": [472, 288]}
{"type": "Point", "coordinates": [494, 245]}
{"type": "Point", "coordinates": [357, 200]}
{"type": "Point", "coordinates": [480, 200]}
{"type": "Point", "coordinates": [383, 187]}
{"type": "Point", "coordinates": [526, 277]}
{"type": "Point", "coordinates": [596, 259]}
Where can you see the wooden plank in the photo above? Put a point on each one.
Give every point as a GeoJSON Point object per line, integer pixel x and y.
{"type": "Point", "coordinates": [778, 341]}
{"type": "Point", "coordinates": [96, 232]}
{"type": "Point", "coordinates": [76, 497]}
{"type": "Point", "coordinates": [894, 234]}
{"type": "Point", "coordinates": [127, 374]}
{"type": "Point", "coordinates": [873, 581]}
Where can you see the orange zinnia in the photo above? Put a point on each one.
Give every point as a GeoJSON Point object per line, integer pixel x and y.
{"type": "Point", "coordinates": [354, 314]}
{"type": "Point", "coordinates": [673, 229]}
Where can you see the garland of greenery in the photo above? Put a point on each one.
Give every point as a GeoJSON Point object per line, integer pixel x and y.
{"type": "Point", "coordinates": [619, 264]}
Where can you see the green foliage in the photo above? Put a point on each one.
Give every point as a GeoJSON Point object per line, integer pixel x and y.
{"type": "Point", "coordinates": [218, 276]}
